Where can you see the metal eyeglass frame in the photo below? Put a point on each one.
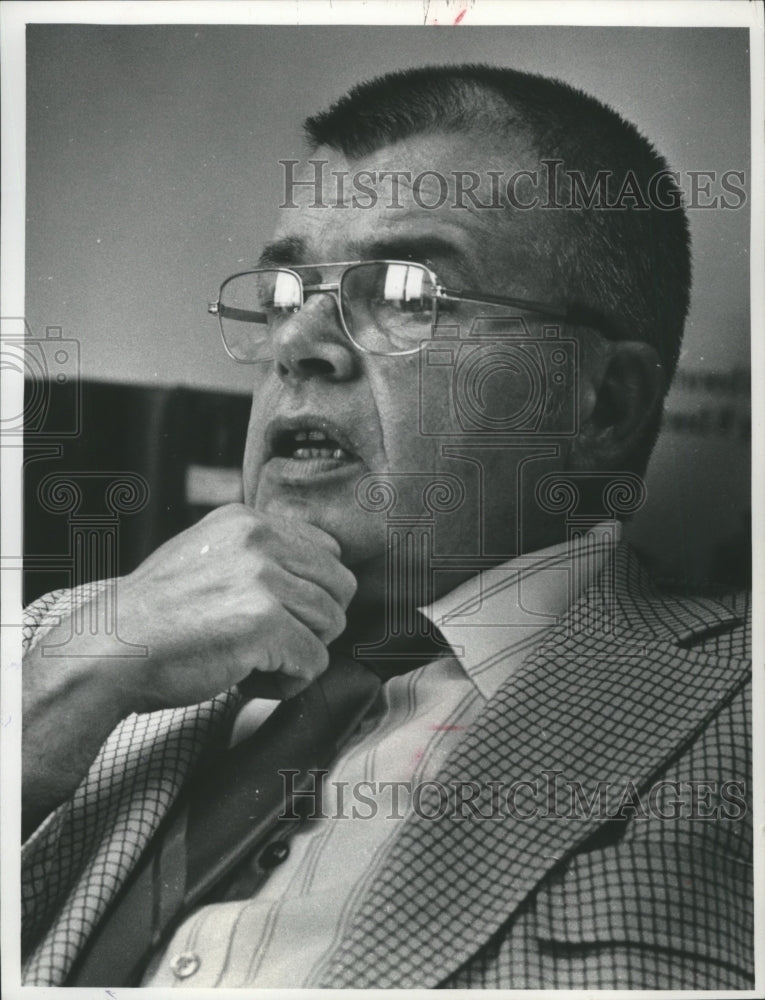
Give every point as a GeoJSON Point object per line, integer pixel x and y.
{"type": "Point", "coordinates": [335, 288]}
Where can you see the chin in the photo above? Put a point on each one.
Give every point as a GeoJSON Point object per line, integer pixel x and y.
{"type": "Point", "coordinates": [361, 536]}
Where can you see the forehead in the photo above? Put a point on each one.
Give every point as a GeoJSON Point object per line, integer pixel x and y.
{"type": "Point", "coordinates": [414, 198]}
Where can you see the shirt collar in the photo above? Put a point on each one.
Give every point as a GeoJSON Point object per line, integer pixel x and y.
{"type": "Point", "coordinates": [493, 620]}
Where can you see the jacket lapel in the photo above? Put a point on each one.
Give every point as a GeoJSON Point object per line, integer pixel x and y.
{"type": "Point", "coordinates": [614, 694]}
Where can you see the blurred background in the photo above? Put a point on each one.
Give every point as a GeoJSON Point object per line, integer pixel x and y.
{"type": "Point", "coordinates": [152, 174]}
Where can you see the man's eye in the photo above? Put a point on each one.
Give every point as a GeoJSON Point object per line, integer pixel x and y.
{"type": "Point", "coordinates": [279, 309]}
{"type": "Point", "coordinates": [417, 307]}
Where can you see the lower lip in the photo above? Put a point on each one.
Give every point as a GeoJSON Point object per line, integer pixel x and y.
{"type": "Point", "coordinates": [311, 470]}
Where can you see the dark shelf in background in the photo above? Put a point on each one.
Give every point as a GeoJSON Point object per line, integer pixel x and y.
{"type": "Point", "coordinates": [101, 430]}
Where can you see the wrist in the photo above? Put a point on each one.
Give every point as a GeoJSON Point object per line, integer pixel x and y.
{"type": "Point", "coordinates": [83, 671]}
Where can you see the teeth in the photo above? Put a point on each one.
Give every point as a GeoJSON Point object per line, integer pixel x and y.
{"type": "Point", "coordinates": [316, 444]}
{"type": "Point", "coordinates": [337, 453]}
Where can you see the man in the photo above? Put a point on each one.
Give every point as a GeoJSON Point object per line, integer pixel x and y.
{"type": "Point", "coordinates": [454, 393]}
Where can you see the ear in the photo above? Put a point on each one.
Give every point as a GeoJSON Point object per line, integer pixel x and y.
{"type": "Point", "coordinates": [621, 391]}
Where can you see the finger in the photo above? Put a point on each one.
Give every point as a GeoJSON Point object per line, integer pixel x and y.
{"type": "Point", "coordinates": [313, 536]}
{"type": "Point", "coordinates": [309, 603]}
{"type": "Point", "coordinates": [319, 567]}
{"type": "Point", "coordinates": [294, 649]}
{"type": "Point", "coordinates": [300, 547]}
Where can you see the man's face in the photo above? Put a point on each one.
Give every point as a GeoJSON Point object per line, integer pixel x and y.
{"type": "Point", "coordinates": [369, 406]}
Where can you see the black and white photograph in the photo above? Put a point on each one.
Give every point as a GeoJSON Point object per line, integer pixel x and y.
{"type": "Point", "coordinates": [378, 496]}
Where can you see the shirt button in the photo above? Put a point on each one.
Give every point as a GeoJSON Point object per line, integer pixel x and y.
{"type": "Point", "coordinates": [273, 854]}
{"type": "Point", "coordinates": [185, 964]}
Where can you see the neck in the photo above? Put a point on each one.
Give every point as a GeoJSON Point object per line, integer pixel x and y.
{"type": "Point", "coordinates": [389, 639]}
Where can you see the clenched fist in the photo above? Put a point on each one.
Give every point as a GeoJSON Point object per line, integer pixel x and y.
{"type": "Point", "coordinates": [239, 595]}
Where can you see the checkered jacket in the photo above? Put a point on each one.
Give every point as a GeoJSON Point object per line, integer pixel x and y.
{"type": "Point", "coordinates": [641, 704]}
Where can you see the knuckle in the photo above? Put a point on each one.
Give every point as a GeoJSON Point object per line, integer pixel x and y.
{"type": "Point", "coordinates": [260, 532]}
{"type": "Point", "coordinates": [322, 540]}
{"type": "Point", "coordinates": [227, 512]}
{"type": "Point", "coordinates": [312, 659]}
{"type": "Point", "coordinates": [345, 585]}
{"type": "Point", "coordinates": [269, 610]}
{"type": "Point", "coordinates": [337, 623]}
{"type": "Point", "coordinates": [350, 582]}
{"type": "Point", "coordinates": [261, 571]}
{"type": "Point", "coordinates": [224, 528]}
{"type": "Point", "coordinates": [319, 660]}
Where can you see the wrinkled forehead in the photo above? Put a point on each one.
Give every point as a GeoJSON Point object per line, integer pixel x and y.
{"type": "Point", "coordinates": [438, 199]}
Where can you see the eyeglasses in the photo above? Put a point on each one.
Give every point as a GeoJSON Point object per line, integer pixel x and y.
{"type": "Point", "coordinates": [386, 307]}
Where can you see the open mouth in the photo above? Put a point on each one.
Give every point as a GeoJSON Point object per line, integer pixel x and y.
{"type": "Point", "coordinates": [302, 445]}
{"type": "Point", "coordinates": [309, 451]}
{"type": "Point", "coordinates": [307, 448]}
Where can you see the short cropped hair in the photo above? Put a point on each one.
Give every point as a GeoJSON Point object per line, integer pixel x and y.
{"type": "Point", "coordinates": [629, 264]}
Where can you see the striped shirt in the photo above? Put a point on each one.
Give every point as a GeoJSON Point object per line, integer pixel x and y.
{"type": "Point", "coordinates": [286, 933]}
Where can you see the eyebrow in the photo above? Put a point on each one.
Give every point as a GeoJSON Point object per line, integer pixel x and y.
{"type": "Point", "coordinates": [291, 250]}
{"type": "Point", "coordinates": [422, 249]}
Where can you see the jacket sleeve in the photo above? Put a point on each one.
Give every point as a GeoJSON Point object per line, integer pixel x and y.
{"type": "Point", "coordinates": [77, 860]}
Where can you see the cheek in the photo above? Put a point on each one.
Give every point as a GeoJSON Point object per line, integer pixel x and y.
{"type": "Point", "coordinates": [264, 396]}
{"type": "Point", "coordinates": [249, 480]}
{"type": "Point", "coordinates": [413, 404]}
{"type": "Point", "coordinates": [251, 461]}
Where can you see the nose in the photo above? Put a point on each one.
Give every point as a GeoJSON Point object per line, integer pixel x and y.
{"type": "Point", "coordinates": [311, 344]}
